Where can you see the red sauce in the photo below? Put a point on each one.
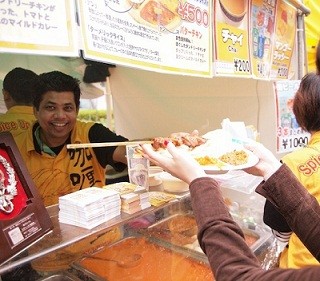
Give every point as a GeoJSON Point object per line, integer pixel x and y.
{"type": "Point", "coordinates": [157, 263]}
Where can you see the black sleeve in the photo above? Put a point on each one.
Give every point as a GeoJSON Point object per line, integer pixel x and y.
{"type": "Point", "coordinates": [274, 219]}
{"type": "Point", "coordinates": [100, 133]}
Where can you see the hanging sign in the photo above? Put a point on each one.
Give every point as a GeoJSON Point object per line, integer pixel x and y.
{"type": "Point", "coordinates": [289, 133]}
{"type": "Point", "coordinates": [262, 36]}
{"type": "Point", "coordinates": [41, 27]}
{"type": "Point", "coordinates": [231, 38]}
{"type": "Point", "coordinates": [170, 36]}
{"type": "Point", "coordinates": [23, 216]}
{"type": "Point", "coordinates": [285, 33]}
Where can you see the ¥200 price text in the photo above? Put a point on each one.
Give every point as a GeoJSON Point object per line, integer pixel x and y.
{"type": "Point", "coordinates": [241, 65]}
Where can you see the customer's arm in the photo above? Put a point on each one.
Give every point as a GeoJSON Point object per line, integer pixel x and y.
{"type": "Point", "coordinates": [219, 236]}
{"type": "Point", "coordinates": [300, 208]}
{"type": "Point", "coordinates": [281, 187]}
{"type": "Point", "coordinates": [222, 240]}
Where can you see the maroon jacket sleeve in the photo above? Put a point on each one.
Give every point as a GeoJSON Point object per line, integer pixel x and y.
{"type": "Point", "coordinates": [301, 211]}
{"type": "Point", "coordinates": [223, 241]}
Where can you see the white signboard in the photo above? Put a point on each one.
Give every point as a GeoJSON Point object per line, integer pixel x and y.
{"type": "Point", "coordinates": [38, 27]}
{"type": "Point", "coordinates": [289, 133]}
{"type": "Point", "coordinates": [172, 36]}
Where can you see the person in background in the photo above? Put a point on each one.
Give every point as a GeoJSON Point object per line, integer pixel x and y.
{"type": "Point", "coordinates": [221, 239]}
{"type": "Point", "coordinates": [304, 163]}
{"type": "Point", "coordinates": [18, 90]}
{"type": "Point", "coordinates": [56, 170]}
{"type": "Point", "coordinates": [318, 58]}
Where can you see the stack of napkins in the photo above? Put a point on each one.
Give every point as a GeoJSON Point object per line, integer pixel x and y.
{"type": "Point", "coordinates": [134, 202]}
{"type": "Point", "coordinates": [89, 207]}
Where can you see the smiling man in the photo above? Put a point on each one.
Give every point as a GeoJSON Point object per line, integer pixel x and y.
{"type": "Point", "coordinates": [55, 170]}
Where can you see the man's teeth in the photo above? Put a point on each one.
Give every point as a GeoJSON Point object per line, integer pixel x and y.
{"type": "Point", "coordinates": [59, 124]}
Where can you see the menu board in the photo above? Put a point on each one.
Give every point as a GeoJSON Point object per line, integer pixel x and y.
{"type": "Point", "coordinates": [262, 35]}
{"type": "Point", "coordinates": [38, 27]}
{"type": "Point", "coordinates": [231, 38]}
{"type": "Point", "coordinates": [170, 36]}
{"type": "Point", "coordinates": [284, 40]}
{"type": "Point", "coordinates": [289, 133]}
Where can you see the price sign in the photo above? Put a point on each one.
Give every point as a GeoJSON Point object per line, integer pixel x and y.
{"type": "Point", "coordinates": [289, 134]}
{"type": "Point", "coordinates": [284, 38]}
{"type": "Point", "coordinates": [262, 30]}
{"type": "Point", "coordinates": [241, 65]}
{"type": "Point", "coordinates": [290, 143]}
{"type": "Point", "coordinates": [231, 37]}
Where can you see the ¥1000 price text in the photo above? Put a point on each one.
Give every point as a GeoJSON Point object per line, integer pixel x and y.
{"type": "Point", "coordinates": [294, 142]}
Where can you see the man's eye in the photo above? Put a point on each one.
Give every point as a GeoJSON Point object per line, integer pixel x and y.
{"type": "Point", "coordinates": [69, 108]}
{"type": "Point", "coordinates": [50, 107]}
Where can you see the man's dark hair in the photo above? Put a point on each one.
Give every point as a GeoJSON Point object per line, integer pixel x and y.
{"type": "Point", "coordinates": [21, 84]}
{"type": "Point", "coordinates": [57, 81]}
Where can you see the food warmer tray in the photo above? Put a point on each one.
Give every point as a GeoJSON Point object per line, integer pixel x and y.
{"type": "Point", "coordinates": [186, 239]}
{"type": "Point", "coordinates": [178, 258]}
{"type": "Point", "coordinates": [60, 276]}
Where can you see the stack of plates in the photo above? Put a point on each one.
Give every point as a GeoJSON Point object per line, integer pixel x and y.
{"type": "Point", "coordinates": [89, 207]}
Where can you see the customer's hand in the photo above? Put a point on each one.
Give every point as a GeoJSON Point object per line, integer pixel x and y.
{"type": "Point", "coordinates": [268, 164]}
{"type": "Point", "coordinates": [181, 165]}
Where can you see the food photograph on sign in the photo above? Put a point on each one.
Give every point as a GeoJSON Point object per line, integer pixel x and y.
{"type": "Point", "coordinates": [156, 14]}
{"type": "Point", "coordinates": [262, 36]}
{"type": "Point", "coordinates": [289, 133]}
{"type": "Point", "coordinates": [285, 34]}
{"type": "Point", "coordinates": [232, 12]}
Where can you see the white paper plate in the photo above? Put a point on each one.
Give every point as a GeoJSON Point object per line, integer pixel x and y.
{"type": "Point", "coordinates": [218, 143]}
{"type": "Point", "coordinates": [212, 169]}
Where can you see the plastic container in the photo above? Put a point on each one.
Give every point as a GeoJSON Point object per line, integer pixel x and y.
{"type": "Point", "coordinates": [173, 184]}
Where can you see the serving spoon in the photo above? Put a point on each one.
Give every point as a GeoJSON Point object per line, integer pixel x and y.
{"type": "Point", "coordinates": [126, 262]}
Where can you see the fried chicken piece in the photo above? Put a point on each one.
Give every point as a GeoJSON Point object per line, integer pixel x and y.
{"type": "Point", "coordinates": [178, 139]}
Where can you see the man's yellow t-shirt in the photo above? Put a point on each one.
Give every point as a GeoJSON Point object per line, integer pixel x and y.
{"type": "Point", "coordinates": [69, 171]}
{"type": "Point", "coordinates": [17, 119]}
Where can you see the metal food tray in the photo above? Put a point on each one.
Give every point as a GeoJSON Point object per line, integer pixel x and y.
{"type": "Point", "coordinates": [160, 233]}
{"type": "Point", "coordinates": [61, 276]}
{"type": "Point", "coordinates": [86, 274]}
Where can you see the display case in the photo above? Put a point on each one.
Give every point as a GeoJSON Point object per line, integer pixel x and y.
{"type": "Point", "coordinates": [73, 253]}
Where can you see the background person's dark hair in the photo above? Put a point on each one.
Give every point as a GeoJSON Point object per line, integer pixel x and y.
{"type": "Point", "coordinates": [318, 58]}
{"type": "Point", "coordinates": [58, 82]}
{"type": "Point", "coordinates": [21, 84]}
{"type": "Point", "coordinates": [306, 104]}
